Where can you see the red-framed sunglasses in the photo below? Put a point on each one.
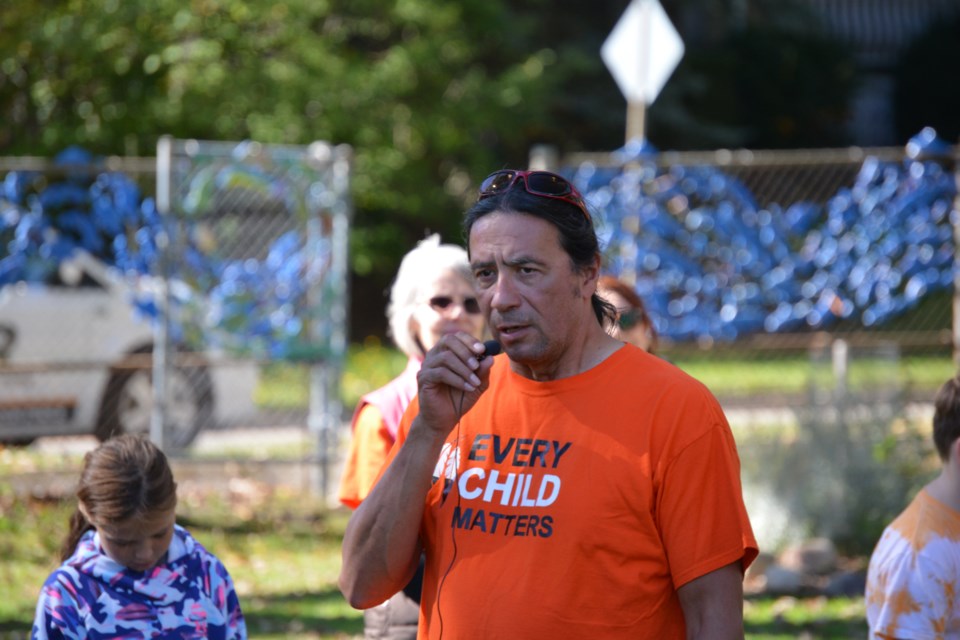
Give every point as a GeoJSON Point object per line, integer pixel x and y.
{"type": "Point", "coordinates": [538, 183]}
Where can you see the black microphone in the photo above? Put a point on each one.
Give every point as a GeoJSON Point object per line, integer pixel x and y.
{"type": "Point", "coordinates": [490, 348]}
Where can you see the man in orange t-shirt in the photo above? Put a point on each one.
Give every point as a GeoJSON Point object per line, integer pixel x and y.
{"type": "Point", "coordinates": [577, 488]}
{"type": "Point", "coordinates": [432, 295]}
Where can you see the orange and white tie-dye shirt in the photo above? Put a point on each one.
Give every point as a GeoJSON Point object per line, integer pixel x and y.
{"type": "Point", "coordinates": [913, 583]}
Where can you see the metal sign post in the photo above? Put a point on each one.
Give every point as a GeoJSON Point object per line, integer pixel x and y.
{"type": "Point", "coordinates": [641, 52]}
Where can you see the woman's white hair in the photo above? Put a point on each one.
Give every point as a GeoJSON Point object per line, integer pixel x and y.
{"type": "Point", "coordinates": [420, 268]}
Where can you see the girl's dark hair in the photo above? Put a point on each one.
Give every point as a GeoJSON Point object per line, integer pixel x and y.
{"type": "Point", "coordinates": [577, 235]}
{"type": "Point", "coordinates": [125, 477]}
{"type": "Point", "coordinates": [946, 417]}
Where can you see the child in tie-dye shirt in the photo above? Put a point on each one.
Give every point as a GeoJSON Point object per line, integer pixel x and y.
{"type": "Point", "coordinates": [129, 571]}
{"type": "Point", "coordinates": [913, 583]}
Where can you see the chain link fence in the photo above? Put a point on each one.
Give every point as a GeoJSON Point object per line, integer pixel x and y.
{"type": "Point", "coordinates": [812, 290]}
{"type": "Point", "coordinates": [775, 254]}
{"type": "Point", "coordinates": [221, 302]}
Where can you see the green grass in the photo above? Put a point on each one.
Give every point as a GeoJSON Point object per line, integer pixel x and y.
{"type": "Point", "coordinates": [29, 538]}
{"type": "Point", "coordinates": [746, 376]}
{"type": "Point", "coordinates": [789, 618]}
{"type": "Point", "coordinates": [285, 565]}
{"type": "Point", "coordinates": [368, 366]}
{"type": "Point", "coordinates": [283, 551]}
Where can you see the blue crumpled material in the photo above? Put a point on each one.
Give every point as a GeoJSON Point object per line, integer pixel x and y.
{"type": "Point", "coordinates": [709, 261]}
{"type": "Point", "coordinates": [712, 264]}
{"type": "Point", "coordinates": [248, 307]}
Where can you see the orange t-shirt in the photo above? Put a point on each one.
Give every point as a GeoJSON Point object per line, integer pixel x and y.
{"type": "Point", "coordinates": [369, 446]}
{"type": "Point", "coordinates": [580, 505]}
{"type": "Point", "coordinates": [375, 424]}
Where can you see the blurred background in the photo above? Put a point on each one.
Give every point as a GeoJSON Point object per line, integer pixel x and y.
{"type": "Point", "coordinates": [204, 203]}
{"type": "Point", "coordinates": [433, 98]}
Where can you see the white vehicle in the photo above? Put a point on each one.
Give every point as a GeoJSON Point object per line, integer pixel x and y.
{"type": "Point", "coordinates": [75, 359]}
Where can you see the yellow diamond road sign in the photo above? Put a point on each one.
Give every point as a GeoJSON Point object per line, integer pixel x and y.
{"type": "Point", "coordinates": [642, 51]}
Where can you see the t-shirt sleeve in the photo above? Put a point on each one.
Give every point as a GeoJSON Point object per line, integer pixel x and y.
{"type": "Point", "coordinates": [700, 509]}
{"type": "Point", "coordinates": [404, 428]}
{"type": "Point", "coordinates": [366, 456]}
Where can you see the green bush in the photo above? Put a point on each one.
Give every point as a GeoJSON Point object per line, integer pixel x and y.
{"type": "Point", "coordinates": [285, 385]}
{"type": "Point", "coordinates": [282, 550]}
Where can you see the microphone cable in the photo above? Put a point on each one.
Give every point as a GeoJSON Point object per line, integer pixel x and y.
{"type": "Point", "coordinates": [453, 529]}
{"type": "Point", "coordinates": [490, 348]}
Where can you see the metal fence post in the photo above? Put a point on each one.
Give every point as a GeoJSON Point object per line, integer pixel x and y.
{"type": "Point", "coordinates": [158, 417]}
{"type": "Point", "coordinates": [840, 357]}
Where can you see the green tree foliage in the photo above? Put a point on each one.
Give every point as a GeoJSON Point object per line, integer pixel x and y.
{"type": "Point", "coordinates": [431, 95]}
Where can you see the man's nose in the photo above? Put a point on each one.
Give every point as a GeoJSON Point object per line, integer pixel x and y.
{"type": "Point", "coordinates": [504, 293]}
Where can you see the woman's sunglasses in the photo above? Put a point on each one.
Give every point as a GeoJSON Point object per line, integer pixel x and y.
{"type": "Point", "coordinates": [629, 319]}
{"type": "Point", "coordinates": [439, 303]}
{"type": "Point", "coordinates": [538, 183]}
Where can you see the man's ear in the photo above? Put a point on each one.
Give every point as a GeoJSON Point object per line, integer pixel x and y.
{"type": "Point", "coordinates": [591, 275]}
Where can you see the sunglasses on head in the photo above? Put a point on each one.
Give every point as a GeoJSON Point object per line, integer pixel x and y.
{"type": "Point", "coordinates": [439, 303]}
{"type": "Point", "coordinates": [538, 183]}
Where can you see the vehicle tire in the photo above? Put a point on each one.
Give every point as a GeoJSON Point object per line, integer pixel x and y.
{"type": "Point", "coordinates": [127, 404]}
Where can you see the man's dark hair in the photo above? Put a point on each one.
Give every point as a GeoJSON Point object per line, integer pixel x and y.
{"type": "Point", "coordinates": [577, 235]}
{"type": "Point", "coordinates": [946, 417]}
